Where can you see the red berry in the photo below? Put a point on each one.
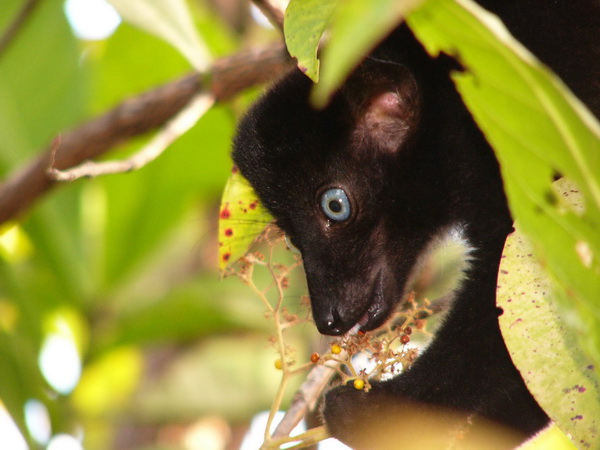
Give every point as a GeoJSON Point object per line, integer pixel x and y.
{"type": "Point", "coordinates": [314, 358]}
{"type": "Point", "coordinates": [408, 330]}
{"type": "Point", "coordinates": [405, 339]}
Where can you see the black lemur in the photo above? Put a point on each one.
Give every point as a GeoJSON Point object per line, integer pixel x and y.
{"type": "Point", "coordinates": [366, 186]}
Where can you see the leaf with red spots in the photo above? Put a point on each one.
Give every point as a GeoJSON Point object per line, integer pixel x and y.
{"type": "Point", "coordinates": [241, 219]}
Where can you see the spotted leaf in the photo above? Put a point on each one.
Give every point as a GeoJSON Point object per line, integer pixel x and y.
{"type": "Point", "coordinates": [241, 219]}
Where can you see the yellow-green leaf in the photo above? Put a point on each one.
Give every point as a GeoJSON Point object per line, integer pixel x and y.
{"type": "Point", "coordinates": [543, 348]}
{"type": "Point", "coordinates": [550, 438]}
{"type": "Point", "coordinates": [241, 219]}
{"type": "Point", "coordinates": [304, 24]}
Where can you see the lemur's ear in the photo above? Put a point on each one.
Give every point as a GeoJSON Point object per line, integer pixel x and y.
{"type": "Point", "coordinates": [386, 110]}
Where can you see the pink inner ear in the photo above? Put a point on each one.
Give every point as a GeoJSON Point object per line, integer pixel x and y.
{"type": "Point", "coordinates": [387, 119]}
{"type": "Point", "coordinates": [386, 104]}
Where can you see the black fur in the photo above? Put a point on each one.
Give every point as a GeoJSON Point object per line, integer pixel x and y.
{"type": "Point", "coordinates": [400, 142]}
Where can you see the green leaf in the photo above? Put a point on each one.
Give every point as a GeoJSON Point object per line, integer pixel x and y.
{"type": "Point", "coordinates": [169, 20]}
{"type": "Point", "coordinates": [537, 128]}
{"type": "Point", "coordinates": [228, 376]}
{"type": "Point", "coordinates": [241, 219]}
{"type": "Point", "coordinates": [215, 28]}
{"type": "Point", "coordinates": [363, 23]}
{"type": "Point", "coordinates": [556, 372]}
{"type": "Point", "coordinates": [42, 84]}
{"type": "Point", "coordinates": [304, 24]}
{"type": "Point", "coordinates": [551, 438]}
{"type": "Point", "coordinates": [55, 230]}
{"type": "Point", "coordinates": [21, 378]}
{"type": "Point", "coordinates": [126, 64]}
{"type": "Point", "coordinates": [193, 310]}
{"type": "Point", "coordinates": [145, 208]}
{"type": "Point", "coordinates": [42, 92]}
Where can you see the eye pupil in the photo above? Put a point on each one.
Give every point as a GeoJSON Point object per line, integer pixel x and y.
{"type": "Point", "coordinates": [335, 204]}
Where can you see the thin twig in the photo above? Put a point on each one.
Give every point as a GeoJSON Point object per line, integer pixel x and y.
{"type": "Point", "coordinates": [305, 398]}
{"type": "Point", "coordinates": [136, 116]}
{"type": "Point", "coordinates": [280, 343]}
{"type": "Point", "coordinates": [17, 24]}
{"type": "Point", "coordinates": [272, 13]}
{"type": "Point", "coordinates": [309, 438]}
{"type": "Point", "coordinates": [173, 129]}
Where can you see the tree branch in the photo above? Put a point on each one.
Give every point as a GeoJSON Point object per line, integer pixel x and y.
{"type": "Point", "coordinates": [173, 129]}
{"type": "Point", "coordinates": [136, 116]}
{"type": "Point", "coordinates": [20, 19]}
{"type": "Point", "coordinates": [305, 398]}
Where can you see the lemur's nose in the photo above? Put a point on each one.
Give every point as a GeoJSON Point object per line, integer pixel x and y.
{"type": "Point", "coordinates": [332, 323]}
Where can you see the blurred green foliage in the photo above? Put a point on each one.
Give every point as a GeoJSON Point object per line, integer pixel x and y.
{"type": "Point", "coordinates": [125, 265]}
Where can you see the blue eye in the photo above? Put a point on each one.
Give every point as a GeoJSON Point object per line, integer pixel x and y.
{"type": "Point", "coordinates": [335, 204]}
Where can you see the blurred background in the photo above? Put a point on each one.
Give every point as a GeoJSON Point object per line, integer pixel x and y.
{"type": "Point", "coordinates": [116, 330]}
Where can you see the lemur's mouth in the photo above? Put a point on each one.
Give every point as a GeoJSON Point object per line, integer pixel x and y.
{"type": "Point", "coordinates": [359, 307]}
{"type": "Point", "coordinates": [378, 310]}
{"type": "Point", "coordinates": [363, 320]}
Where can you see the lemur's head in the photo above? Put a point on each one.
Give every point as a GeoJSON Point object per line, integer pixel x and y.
{"type": "Point", "coordinates": [359, 187]}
